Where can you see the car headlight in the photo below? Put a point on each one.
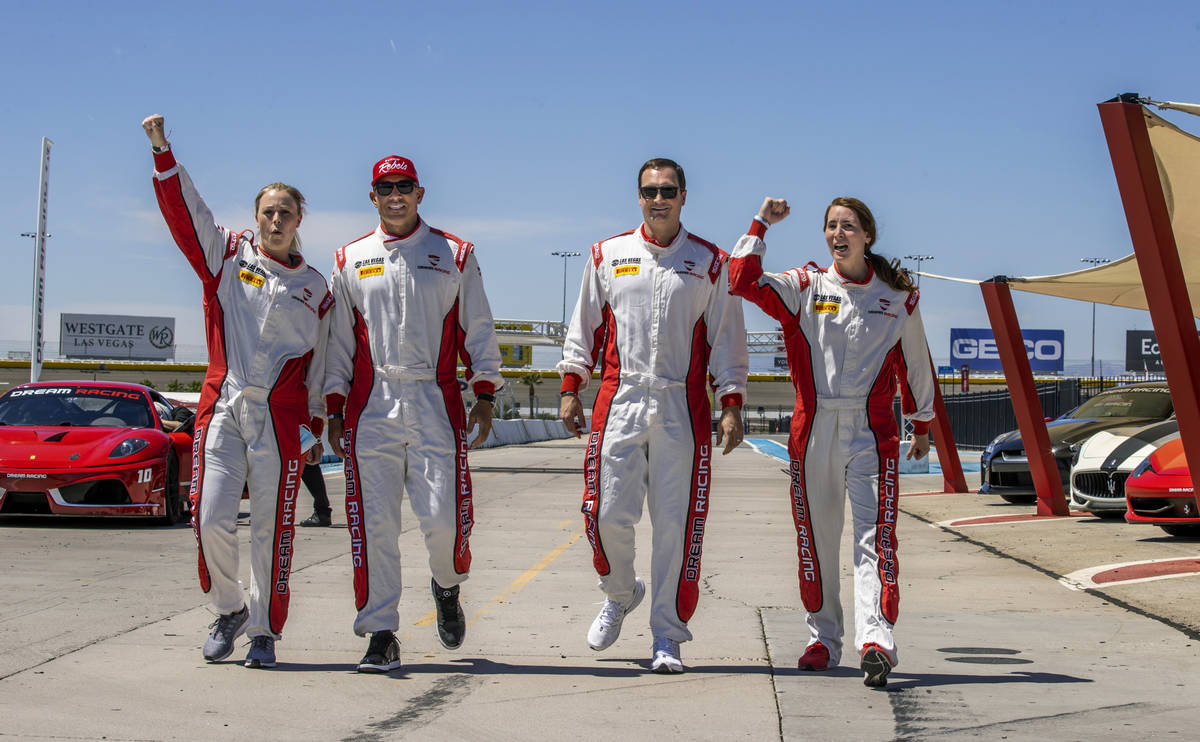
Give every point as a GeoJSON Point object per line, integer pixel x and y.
{"type": "Point", "coordinates": [128, 447]}
{"type": "Point", "coordinates": [1142, 468]}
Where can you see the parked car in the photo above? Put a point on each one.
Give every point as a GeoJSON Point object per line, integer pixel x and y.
{"type": "Point", "coordinates": [1160, 492]}
{"type": "Point", "coordinates": [1004, 468]}
{"type": "Point", "coordinates": [1105, 461]}
{"type": "Point", "coordinates": [94, 448]}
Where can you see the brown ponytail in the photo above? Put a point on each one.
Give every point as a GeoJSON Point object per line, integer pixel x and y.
{"type": "Point", "coordinates": [888, 271]}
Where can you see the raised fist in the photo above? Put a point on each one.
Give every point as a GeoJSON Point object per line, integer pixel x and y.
{"type": "Point", "coordinates": [153, 125]}
{"type": "Point", "coordinates": [774, 210]}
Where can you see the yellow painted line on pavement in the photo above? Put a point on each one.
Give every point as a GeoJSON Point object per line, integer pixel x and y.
{"type": "Point", "coordinates": [517, 584]}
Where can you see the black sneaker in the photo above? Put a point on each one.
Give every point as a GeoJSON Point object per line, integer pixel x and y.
{"type": "Point", "coordinates": [321, 520]}
{"type": "Point", "coordinates": [876, 665]}
{"type": "Point", "coordinates": [383, 653]}
{"type": "Point", "coordinates": [451, 625]}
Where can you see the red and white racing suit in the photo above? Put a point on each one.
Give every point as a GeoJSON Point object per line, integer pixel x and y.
{"type": "Point", "coordinates": [659, 319]}
{"type": "Point", "coordinates": [407, 308]}
{"type": "Point", "coordinates": [266, 324]}
{"type": "Point", "coordinates": [848, 343]}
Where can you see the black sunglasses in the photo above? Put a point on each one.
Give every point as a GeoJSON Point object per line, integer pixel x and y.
{"type": "Point", "coordinates": [403, 186]}
{"type": "Point", "coordinates": [651, 192]}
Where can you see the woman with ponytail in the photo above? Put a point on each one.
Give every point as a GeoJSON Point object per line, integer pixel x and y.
{"type": "Point", "coordinates": [851, 333]}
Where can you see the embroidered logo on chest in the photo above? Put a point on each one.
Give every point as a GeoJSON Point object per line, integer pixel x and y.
{"type": "Point", "coordinates": [433, 261]}
{"type": "Point", "coordinates": [253, 279]}
{"type": "Point", "coordinates": [827, 304]}
{"type": "Point", "coordinates": [884, 304]}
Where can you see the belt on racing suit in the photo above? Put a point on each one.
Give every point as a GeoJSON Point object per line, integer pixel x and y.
{"type": "Point", "coordinates": [406, 373]}
{"type": "Point", "coordinates": [650, 381]}
{"type": "Point", "coordinates": [841, 403]}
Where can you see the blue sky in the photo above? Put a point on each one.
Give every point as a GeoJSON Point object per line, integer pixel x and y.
{"type": "Point", "coordinates": [970, 129]}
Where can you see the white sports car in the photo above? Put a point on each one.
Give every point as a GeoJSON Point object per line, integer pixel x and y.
{"type": "Point", "coordinates": [1105, 461]}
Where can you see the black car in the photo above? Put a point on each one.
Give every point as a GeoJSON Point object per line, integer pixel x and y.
{"type": "Point", "coordinates": [1004, 468]}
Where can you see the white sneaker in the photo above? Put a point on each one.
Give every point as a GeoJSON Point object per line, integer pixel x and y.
{"type": "Point", "coordinates": [607, 626]}
{"type": "Point", "coordinates": [666, 657]}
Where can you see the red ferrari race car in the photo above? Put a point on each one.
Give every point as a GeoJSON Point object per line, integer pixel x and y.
{"type": "Point", "coordinates": [1160, 492]}
{"type": "Point", "coordinates": [94, 448]}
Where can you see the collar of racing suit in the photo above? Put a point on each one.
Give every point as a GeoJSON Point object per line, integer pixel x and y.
{"type": "Point", "coordinates": [657, 249]}
{"type": "Point", "coordinates": [399, 240]}
{"type": "Point", "coordinates": [847, 281]}
{"type": "Point", "coordinates": [272, 264]}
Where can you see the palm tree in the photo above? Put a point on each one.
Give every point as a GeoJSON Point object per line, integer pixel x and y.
{"type": "Point", "coordinates": [531, 380]}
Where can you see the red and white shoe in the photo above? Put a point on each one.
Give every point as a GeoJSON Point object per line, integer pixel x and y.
{"type": "Point", "coordinates": [815, 658]}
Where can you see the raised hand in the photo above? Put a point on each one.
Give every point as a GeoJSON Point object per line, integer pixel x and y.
{"type": "Point", "coordinates": [154, 125]}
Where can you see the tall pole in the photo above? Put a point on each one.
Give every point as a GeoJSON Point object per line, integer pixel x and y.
{"type": "Point", "coordinates": [39, 265]}
{"type": "Point", "coordinates": [564, 256]}
{"type": "Point", "coordinates": [1094, 261]}
{"type": "Point", "coordinates": [918, 258]}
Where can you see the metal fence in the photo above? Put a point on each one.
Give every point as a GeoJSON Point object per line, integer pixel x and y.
{"type": "Point", "coordinates": [978, 417]}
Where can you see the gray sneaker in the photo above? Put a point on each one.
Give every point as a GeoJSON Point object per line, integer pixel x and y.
{"type": "Point", "coordinates": [262, 652]}
{"type": "Point", "coordinates": [225, 630]}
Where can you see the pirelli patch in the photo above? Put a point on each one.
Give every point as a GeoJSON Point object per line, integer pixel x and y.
{"type": "Point", "coordinates": [370, 270]}
{"type": "Point", "coordinates": [825, 307]}
{"type": "Point", "coordinates": [626, 270]}
{"type": "Point", "coordinates": [253, 279]}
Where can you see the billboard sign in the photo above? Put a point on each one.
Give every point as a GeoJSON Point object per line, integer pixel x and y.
{"type": "Point", "coordinates": [1141, 352]}
{"type": "Point", "coordinates": [113, 337]}
{"type": "Point", "coordinates": [976, 347]}
{"type": "Point", "coordinates": [516, 355]}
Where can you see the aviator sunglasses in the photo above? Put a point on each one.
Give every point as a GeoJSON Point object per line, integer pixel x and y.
{"type": "Point", "coordinates": [651, 192]}
{"type": "Point", "coordinates": [403, 186]}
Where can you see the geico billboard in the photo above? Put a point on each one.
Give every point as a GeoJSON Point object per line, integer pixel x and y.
{"type": "Point", "coordinates": [976, 347]}
{"type": "Point", "coordinates": [113, 337]}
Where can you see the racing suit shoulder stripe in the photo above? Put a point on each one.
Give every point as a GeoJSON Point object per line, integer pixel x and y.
{"type": "Point", "coordinates": [462, 248]}
{"type": "Point", "coordinates": [719, 256]}
{"type": "Point", "coordinates": [598, 248]}
{"type": "Point", "coordinates": [911, 302]}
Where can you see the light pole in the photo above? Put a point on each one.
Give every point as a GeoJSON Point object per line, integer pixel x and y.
{"type": "Point", "coordinates": [564, 256]}
{"type": "Point", "coordinates": [1094, 261]}
{"type": "Point", "coordinates": [918, 258]}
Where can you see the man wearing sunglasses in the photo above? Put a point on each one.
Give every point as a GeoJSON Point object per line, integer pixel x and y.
{"type": "Point", "coordinates": [655, 309]}
{"type": "Point", "coordinates": [412, 304]}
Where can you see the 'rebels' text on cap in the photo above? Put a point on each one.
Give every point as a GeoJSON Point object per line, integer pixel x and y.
{"type": "Point", "coordinates": [394, 165]}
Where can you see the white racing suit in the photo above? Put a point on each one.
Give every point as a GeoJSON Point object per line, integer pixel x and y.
{"type": "Point", "coordinates": [659, 319]}
{"type": "Point", "coordinates": [407, 308]}
{"type": "Point", "coordinates": [266, 325]}
{"type": "Point", "coordinates": [847, 344]}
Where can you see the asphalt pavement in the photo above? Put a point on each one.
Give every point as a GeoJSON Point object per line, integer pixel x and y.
{"type": "Point", "coordinates": [101, 624]}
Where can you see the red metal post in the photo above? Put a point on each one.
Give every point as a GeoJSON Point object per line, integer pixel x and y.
{"type": "Point", "coordinates": [952, 473]}
{"type": "Point", "coordinates": [1158, 263]}
{"type": "Point", "coordinates": [1019, 377]}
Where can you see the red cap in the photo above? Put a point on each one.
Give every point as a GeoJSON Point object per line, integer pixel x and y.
{"type": "Point", "coordinates": [394, 165]}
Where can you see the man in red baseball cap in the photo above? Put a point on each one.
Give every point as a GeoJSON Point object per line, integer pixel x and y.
{"type": "Point", "coordinates": [413, 305]}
